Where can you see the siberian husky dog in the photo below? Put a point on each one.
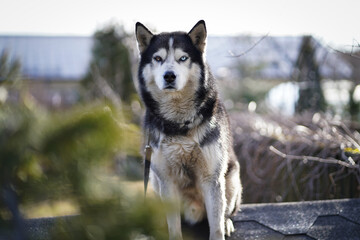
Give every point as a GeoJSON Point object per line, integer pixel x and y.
{"type": "Point", "coordinates": [193, 162]}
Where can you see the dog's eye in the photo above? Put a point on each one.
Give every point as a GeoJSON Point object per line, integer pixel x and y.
{"type": "Point", "coordinates": [183, 58]}
{"type": "Point", "coordinates": [158, 58]}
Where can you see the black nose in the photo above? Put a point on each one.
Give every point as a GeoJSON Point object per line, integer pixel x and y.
{"type": "Point", "coordinates": [169, 76]}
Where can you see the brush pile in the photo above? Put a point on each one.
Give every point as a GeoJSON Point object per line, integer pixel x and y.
{"type": "Point", "coordinates": [307, 157]}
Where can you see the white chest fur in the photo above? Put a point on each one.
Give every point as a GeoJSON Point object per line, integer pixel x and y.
{"type": "Point", "coordinates": [181, 159]}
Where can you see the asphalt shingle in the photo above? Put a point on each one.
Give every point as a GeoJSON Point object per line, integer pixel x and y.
{"type": "Point", "coordinates": [334, 227]}
{"type": "Point", "coordinates": [333, 219]}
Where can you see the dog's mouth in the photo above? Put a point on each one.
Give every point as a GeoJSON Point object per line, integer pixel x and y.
{"type": "Point", "coordinates": [170, 87]}
{"type": "Point", "coordinates": [169, 90]}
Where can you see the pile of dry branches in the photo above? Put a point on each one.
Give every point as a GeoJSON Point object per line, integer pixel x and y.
{"type": "Point", "coordinates": [308, 157]}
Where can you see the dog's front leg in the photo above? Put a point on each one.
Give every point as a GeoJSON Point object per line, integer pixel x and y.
{"type": "Point", "coordinates": [213, 188]}
{"type": "Point", "coordinates": [214, 195]}
{"type": "Point", "coordinates": [169, 193]}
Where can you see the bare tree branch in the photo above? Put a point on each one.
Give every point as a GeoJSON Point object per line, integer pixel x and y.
{"type": "Point", "coordinates": [105, 88]}
{"type": "Point", "coordinates": [311, 158]}
{"type": "Point", "coordinates": [251, 48]}
{"type": "Point", "coordinates": [354, 46]}
{"type": "Point", "coordinates": [351, 54]}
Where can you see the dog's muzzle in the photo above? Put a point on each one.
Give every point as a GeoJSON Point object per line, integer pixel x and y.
{"type": "Point", "coordinates": [169, 78]}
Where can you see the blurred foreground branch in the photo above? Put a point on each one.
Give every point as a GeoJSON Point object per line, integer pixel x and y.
{"type": "Point", "coordinates": [105, 88]}
{"type": "Point", "coordinates": [49, 157]}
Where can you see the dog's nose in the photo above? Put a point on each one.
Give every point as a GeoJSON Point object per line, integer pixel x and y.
{"type": "Point", "coordinates": [169, 76]}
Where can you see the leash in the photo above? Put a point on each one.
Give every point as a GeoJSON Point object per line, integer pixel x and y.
{"type": "Point", "coordinates": [147, 162]}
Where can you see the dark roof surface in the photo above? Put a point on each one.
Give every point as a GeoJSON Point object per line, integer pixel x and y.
{"type": "Point", "coordinates": [331, 219]}
{"type": "Point", "coordinates": [336, 219]}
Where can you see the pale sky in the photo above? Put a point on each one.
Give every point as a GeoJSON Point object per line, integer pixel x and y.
{"type": "Point", "coordinates": [334, 22]}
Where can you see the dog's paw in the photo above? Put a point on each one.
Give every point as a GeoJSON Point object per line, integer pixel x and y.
{"type": "Point", "coordinates": [229, 227]}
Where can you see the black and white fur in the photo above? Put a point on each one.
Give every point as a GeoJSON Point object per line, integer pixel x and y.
{"type": "Point", "coordinates": [193, 162]}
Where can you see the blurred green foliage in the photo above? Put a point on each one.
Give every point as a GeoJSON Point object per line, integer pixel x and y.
{"type": "Point", "coordinates": [69, 155]}
{"type": "Point", "coordinates": [111, 61]}
{"type": "Point", "coordinates": [9, 70]}
{"type": "Point", "coordinates": [311, 96]}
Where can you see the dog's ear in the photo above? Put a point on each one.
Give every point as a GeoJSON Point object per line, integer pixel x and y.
{"type": "Point", "coordinates": [143, 36]}
{"type": "Point", "coordinates": [198, 35]}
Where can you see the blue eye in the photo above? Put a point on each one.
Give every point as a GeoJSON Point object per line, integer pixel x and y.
{"type": "Point", "coordinates": [158, 59]}
{"type": "Point", "coordinates": [183, 58]}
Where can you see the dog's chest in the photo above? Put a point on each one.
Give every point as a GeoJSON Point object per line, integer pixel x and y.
{"type": "Point", "coordinates": [183, 159]}
{"type": "Point", "coordinates": [178, 109]}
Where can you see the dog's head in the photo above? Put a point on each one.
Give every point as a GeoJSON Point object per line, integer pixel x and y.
{"type": "Point", "coordinates": [171, 60]}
